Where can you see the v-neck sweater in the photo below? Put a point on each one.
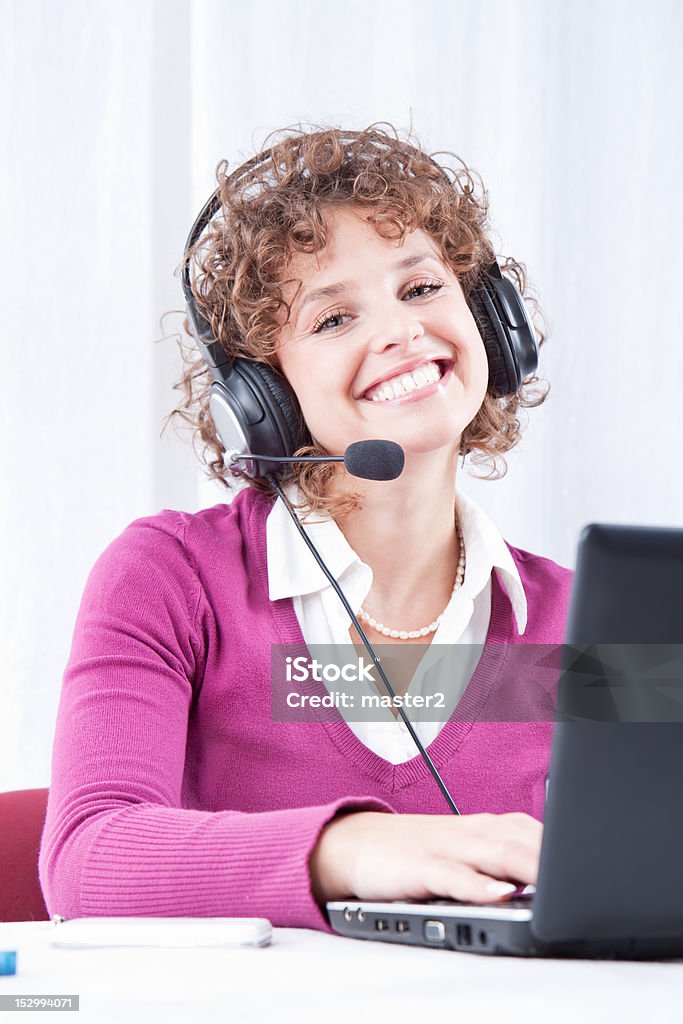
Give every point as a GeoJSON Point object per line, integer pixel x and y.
{"type": "Point", "coordinates": [175, 793]}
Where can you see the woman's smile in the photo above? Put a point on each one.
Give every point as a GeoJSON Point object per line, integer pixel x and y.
{"type": "Point", "coordinates": [412, 385]}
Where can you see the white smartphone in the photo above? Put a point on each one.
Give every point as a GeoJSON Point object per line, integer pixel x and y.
{"type": "Point", "coordinates": [179, 932]}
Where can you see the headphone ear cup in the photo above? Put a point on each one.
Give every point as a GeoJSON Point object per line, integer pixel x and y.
{"type": "Point", "coordinates": [506, 330]}
{"type": "Point", "coordinates": [502, 376]}
{"type": "Point", "coordinates": [254, 409]}
{"type": "Point", "coordinates": [281, 404]}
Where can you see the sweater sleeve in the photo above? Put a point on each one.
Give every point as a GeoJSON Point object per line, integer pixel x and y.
{"type": "Point", "coordinates": [117, 840]}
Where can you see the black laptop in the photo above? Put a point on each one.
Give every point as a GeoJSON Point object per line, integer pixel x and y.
{"type": "Point", "coordinates": [610, 881]}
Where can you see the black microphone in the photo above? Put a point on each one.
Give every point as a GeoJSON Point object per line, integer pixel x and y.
{"type": "Point", "coordinates": [370, 460]}
{"type": "Point", "coordinates": [375, 460]}
{"type": "Point", "coordinates": [349, 610]}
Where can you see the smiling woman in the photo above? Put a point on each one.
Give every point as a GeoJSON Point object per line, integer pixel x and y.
{"type": "Point", "coordinates": [341, 288]}
{"type": "Point", "coordinates": [260, 270]}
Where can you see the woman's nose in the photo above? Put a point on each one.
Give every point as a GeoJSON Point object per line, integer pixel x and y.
{"type": "Point", "coordinates": [395, 327]}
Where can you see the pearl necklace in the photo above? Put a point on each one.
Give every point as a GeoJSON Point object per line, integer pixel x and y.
{"type": "Point", "coordinates": [412, 634]}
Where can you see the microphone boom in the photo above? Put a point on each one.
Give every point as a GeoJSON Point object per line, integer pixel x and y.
{"type": "Point", "coordinates": [369, 460]}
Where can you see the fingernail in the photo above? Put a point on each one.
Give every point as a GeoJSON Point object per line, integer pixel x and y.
{"type": "Point", "coordinates": [500, 888]}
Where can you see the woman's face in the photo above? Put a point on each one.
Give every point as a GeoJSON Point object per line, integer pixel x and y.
{"type": "Point", "coordinates": [380, 342]}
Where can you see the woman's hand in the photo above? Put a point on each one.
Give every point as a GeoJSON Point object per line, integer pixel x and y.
{"type": "Point", "coordinates": [477, 858]}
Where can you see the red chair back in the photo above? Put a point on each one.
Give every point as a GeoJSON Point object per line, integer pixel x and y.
{"type": "Point", "coordinates": [22, 815]}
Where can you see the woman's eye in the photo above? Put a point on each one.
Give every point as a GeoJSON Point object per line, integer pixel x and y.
{"type": "Point", "coordinates": [416, 289]}
{"type": "Point", "coordinates": [322, 325]}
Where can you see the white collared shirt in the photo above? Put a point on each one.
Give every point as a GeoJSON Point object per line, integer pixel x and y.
{"type": "Point", "coordinates": [294, 573]}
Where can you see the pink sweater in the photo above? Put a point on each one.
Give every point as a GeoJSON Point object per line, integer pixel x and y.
{"type": "Point", "coordinates": [173, 790]}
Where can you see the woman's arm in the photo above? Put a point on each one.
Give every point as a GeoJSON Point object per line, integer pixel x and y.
{"type": "Point", "coordinates": [117, 840]}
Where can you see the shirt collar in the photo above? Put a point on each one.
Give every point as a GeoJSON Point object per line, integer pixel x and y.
{"type": "Point", "coordinates": [292, 571]}
{"type": "Point", "coordinates": [486, 550]}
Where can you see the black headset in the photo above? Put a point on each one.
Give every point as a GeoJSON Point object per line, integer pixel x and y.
{"type": "Point", "coordinates": [253, 407]}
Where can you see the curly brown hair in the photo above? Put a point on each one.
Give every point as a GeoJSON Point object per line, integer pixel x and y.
{"type": "Point", "coordinates": [278, 209]}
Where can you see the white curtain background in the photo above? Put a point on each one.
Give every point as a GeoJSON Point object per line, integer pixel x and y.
{"type": "Point", "coordinates": [113, 118]}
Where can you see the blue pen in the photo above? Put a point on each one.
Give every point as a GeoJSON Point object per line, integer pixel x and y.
{"type": "Point", "coordinates": [8, 961]}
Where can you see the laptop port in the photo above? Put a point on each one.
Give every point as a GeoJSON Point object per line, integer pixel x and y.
{"type": "Point", "coordinates": [402, 927]}
{"type": "Point", "coordinates": [463, 934]}
{"type": "Point", "coordinates": [434, 931]}
{"type": "Point", "coordinates": [381, 925]}
{"type": "Point", "coordinates": [483, 938]}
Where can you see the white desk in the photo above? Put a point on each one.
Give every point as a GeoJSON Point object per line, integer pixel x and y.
{"type": "Point", "coordinates": [308, 976]}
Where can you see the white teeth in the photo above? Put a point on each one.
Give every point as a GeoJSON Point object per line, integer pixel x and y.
{"type": "Point", "coordinates": [418, 378]}
{"type": "Point", "coordinates": [408, 382]}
